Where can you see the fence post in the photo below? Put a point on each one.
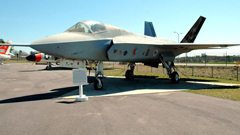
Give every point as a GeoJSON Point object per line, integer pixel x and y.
{"type": "Point", "coordinates": [237, 73]}
{"type": "Point", "coordinates": [192, 71]}
{"type": "Point", "coordinates": [151, 69]}
{"type": "Point", "coordinates": [212, 71]}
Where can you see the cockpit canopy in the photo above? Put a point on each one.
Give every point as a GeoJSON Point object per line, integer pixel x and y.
{"type": "Point", "coordinates": [87, 27]}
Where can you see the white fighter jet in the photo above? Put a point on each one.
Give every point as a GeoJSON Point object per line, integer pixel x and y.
{"type": "Point", "coordinates": [41, 57]}
{"type": "Point", "coordinates": [97, 42]}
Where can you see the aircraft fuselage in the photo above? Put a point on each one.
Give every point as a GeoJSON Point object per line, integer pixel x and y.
{"type": "Point", "coordinates": [105, 45]}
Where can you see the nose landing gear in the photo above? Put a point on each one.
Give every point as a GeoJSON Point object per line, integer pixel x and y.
{"type": "Point", "coordinates": [98, 84]}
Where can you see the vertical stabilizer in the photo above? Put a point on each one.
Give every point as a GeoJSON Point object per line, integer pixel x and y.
{"type": "Point", "coordinates": [193, 32]}
{"type": "Point", "coordinates": [5, 49]}
{"type": "Point", "coordinates": [149, 29]}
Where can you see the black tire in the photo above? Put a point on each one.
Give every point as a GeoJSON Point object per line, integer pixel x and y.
{"type": "Point", "coordinates": [47, 68]}
{"type": "Point", "coordinates": [129, 75]}
{"type": "Point", "coordinates": [97, 86]}
{"type": "Point", "coordinates": [175, 77]}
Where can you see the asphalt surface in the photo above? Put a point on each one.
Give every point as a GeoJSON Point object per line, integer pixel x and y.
{"type": "Point", "coordinates": [30, 104]}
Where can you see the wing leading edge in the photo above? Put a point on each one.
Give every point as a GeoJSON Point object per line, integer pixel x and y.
{"type": "Point", "coordinates": [182, 45]}
{"type": "Point", "coordinates": [17, 44]}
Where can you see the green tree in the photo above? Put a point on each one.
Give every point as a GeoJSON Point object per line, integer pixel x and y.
{"type": "Point", "coordinates": [2, 41]}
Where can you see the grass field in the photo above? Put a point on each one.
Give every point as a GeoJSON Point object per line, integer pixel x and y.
{"type": "Point", "coordinates": [232, 94]}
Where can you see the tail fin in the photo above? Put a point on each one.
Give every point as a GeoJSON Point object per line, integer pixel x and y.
{"type": "Point", "coordinates": [5, 49]}
{"type": "Point", "coordinates": [193, 32]}
{"type": "Point", "coordinates": [149, 29]}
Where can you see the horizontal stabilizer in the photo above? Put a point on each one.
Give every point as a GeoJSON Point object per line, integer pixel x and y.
{"type": "Point", "coordinates": [149, 29]}
{"type": "Point", "coordinates": [193, 32]}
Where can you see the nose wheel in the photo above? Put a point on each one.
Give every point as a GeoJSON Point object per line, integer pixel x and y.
{"type": "Point", "coordinates": [98, 84]}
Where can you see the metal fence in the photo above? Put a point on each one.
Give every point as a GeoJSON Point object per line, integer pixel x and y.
{"type": "Point", "coordinates": [230, 73]}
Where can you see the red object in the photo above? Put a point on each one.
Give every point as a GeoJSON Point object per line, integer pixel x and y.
{"type": "Point", "coordinates": [38, 57]}
{"type": "Point", "coordinates": [3, 49]}
{"type": "Point", "coordinates": [134, 52]}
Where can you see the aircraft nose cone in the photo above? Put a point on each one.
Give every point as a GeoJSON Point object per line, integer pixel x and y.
{"type": "Point", "coordinates": [31, 57]}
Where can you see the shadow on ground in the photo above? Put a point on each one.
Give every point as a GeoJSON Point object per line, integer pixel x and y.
{"type": "Point", "coordinates": [114, 86]}
{"type": "Point", "coordinates": [141, 85]}
{"type": "Point", "coordinates": [52, 94]}
{"type": "Point", "coordinates": [51, 69]}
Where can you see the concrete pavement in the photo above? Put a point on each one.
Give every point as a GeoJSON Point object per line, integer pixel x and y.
{"type": "Point", "coordinates": [30, 104]}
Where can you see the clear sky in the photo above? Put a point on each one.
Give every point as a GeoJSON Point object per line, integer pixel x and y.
{"type": "Point", "coordinates": [24, 21]}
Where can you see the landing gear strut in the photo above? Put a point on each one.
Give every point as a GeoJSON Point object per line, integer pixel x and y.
{"type": "Point", "coordinates": [49, 66]}
{"type": "Point", "coordinates": [173, 75]}
{"type": "Point", "coordinates": [98, 84]}
{"type": "Point", "coordinates": [130, 73]}
{"type": "Point", "coordinates": [1, 62]}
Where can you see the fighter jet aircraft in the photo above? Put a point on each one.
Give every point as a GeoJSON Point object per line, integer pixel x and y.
{"type": "Point", "coordinates": [98, 42]}
{"type": "Point", "coordinates": [5, 52]}
{"type": "Point", "coordinates": [41, 57]}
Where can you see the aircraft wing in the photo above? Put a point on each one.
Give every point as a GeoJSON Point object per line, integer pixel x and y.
{"type": "Point", "coordinates": [17, 44]}
{"type": "Point", "coordinates": [175, 48]}
{"type": "Point", "coordinates": [165, 44]}
{"type": "Point", "coordinates": [146, 48]}
{"type": "Point", "coordinates": [191, 46]}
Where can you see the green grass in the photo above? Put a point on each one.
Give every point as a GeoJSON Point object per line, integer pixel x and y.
{"type": "Point", "coordinates": [208, 63]}
{"type": "Point", "coordinates": [114, 72]}
{"type": "Point", "coordinates": [232, 94]}
{"type": "Point", "coordinates": [208, 79]}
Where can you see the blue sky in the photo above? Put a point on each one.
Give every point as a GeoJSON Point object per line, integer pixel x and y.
{"type": "Point", "coordinates": [24, 21]}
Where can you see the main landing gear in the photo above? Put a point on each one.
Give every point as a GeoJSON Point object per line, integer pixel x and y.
{"type": "Point", "coordinates": [130, 73]}
{"type": "Point", "coordinates": [173, 75]}
{"type": "Point", "coordinates": [98, 84]}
